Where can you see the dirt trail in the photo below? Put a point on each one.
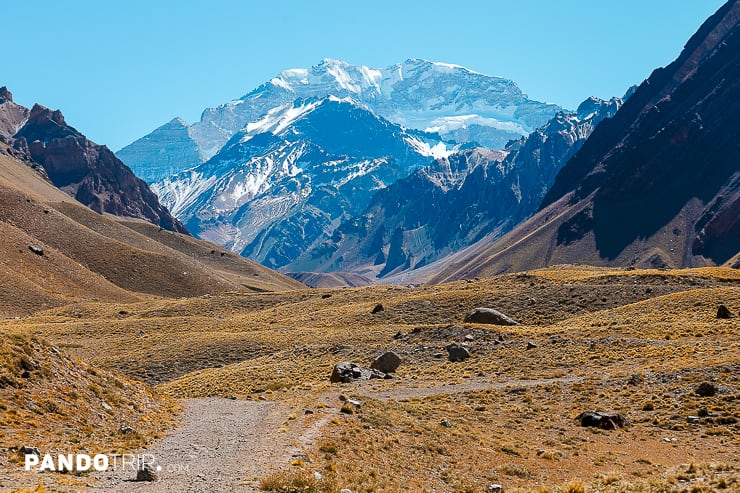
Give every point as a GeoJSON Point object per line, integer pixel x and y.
{"type": "Point", "coordinates": [221, 445]}
{"type": "Point", "coordinates": [400, 393]}
{"type": "Point", "coordinates": [227, 445]}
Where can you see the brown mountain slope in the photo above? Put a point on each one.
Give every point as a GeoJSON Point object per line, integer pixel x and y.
{"type": "Point", "coordinates": [87, 255]}
{"type": "Point", "coordinates": [658, 185]}
{"type": "Point", "coordinates": [61, 404]}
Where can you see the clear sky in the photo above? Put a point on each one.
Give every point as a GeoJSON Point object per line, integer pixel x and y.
{"type": "Point", "coordinates": [119, 69]}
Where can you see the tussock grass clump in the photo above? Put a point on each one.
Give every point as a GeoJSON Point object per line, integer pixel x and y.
{"type": "Point", "coordinates": [298, 482]}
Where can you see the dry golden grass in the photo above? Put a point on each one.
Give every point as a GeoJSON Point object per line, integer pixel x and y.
{"type": "Point", "coordinates": [568, 273]}
{"type": "Point", "coordinates": [60, 405]}
{"type": "Point", "coordinates": [635, 342]}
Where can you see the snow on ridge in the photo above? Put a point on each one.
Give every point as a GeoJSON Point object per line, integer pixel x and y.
{"type": "Point", "coordinates": [278, 81]}
{"type": "Point", "coordinates": [361, 168]}
{"type": "Point", "coordinates": [437, 151]}
{"type": "Point", "coordinates": [451, 66]}
{"type": "Point", "coordinates": [450, 123]}
{"type": "Point", "coordinates": [337, 99]}
{"type": "Point", "coordinates": [447, 67]}
{"type": "Point", "coordinates": [343, 78]}
{"type": "Point", "coordinates": [454, 66]}
{"type": "Point", "coordinates": [278, 119]}
{"type": "Point", "coordinates": [360, 78]}
{"type": "Point", "coordinates": [180, 192]}
{"type": "Point", "coordinates": [297, 74]}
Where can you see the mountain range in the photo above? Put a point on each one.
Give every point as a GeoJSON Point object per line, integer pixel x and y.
{"type": "Point", "coordinates": [455, 201]}
{"type": "Point", "coordinates": [284, 182]}
{"type": "Point", "coordinates": [453, 101]}
{"type": "Point", "coordinates": [76, 225]}
{"type": "Point", "coordinates": [394, 173]}
{"type": "Point", "coordinates": [56, 251]}
{"type": "Point", "coordinates": [123, 333]}
{"type": "Point", "coordinates": [308, 151]}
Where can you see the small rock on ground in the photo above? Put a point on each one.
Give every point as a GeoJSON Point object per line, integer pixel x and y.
{"type": "Point", "coordinates": [724, 312]}
{"type": "Point", "coordinates": [706, 389]}
{"type": "Point", "coordinates": [456, 352]}
{"type": "Point", "coordinates": [146, 473]}
{"type": "Point", "coordinates": [603, 420]}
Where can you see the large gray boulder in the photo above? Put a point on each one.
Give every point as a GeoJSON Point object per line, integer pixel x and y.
{"type": "Point", "coordinates": [386, 362]}
{"type": "Point", "coordinates": [484, 315]}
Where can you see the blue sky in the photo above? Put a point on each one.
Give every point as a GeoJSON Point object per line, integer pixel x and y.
{"type": "Point", "coordinates": [120, 69]}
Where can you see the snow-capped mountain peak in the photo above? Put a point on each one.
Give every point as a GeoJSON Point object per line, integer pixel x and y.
{"type": "Point", "coordinates": [459, 103]}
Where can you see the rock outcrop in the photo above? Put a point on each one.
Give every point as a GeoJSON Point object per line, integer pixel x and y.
{"type": "Point", "coordinates": [347, 372]}
{"type": "Point", "coordinates": [485, 315]}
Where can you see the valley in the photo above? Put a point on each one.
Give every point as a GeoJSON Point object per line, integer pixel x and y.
{"type": "Point", "coordinates": [634, 342]}
{"type": "Point", "coordinates": [350, 279]}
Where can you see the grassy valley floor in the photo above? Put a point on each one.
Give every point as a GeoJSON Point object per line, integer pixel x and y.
{"type": "Point", "coordinates": [634, 342]}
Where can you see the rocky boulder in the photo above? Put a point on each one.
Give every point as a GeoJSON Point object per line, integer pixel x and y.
{"type": "Point", "coordinates": [490, 316]}
{"type": "Point", "coordinates": [146, 472]}
{"type": "Point", "coordinates": [386, 362]}
{"type": "Point", "coordinates": [29, 450]}
{"type": "Point", "coordinates": [724, 312]}
{"type": "Point", "coordinates": [706, 389]}
{"type": "Point", "coordinates": [457, 352]}
{"type": "Point", "coordinates": [603, 420]}
{"type": "Point", "coordinates": [347, 372]}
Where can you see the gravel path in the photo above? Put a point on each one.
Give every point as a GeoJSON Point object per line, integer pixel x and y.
{"type": "Point", "coordinates": [403, 392]}
{"type": "Point", "coordinates": [222, 445]}
{"type": "Point", "coordinates": [227, 445]}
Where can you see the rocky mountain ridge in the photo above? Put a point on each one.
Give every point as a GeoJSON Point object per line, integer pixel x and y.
{"type": "Point", "coordinates": [455, 201]}
{"type": "Point", "coordinates": [287, 180]}
{"type": "Point", "coordinates": [89, 172]}
{"type": "Point", "coordinates": [658, 185]}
